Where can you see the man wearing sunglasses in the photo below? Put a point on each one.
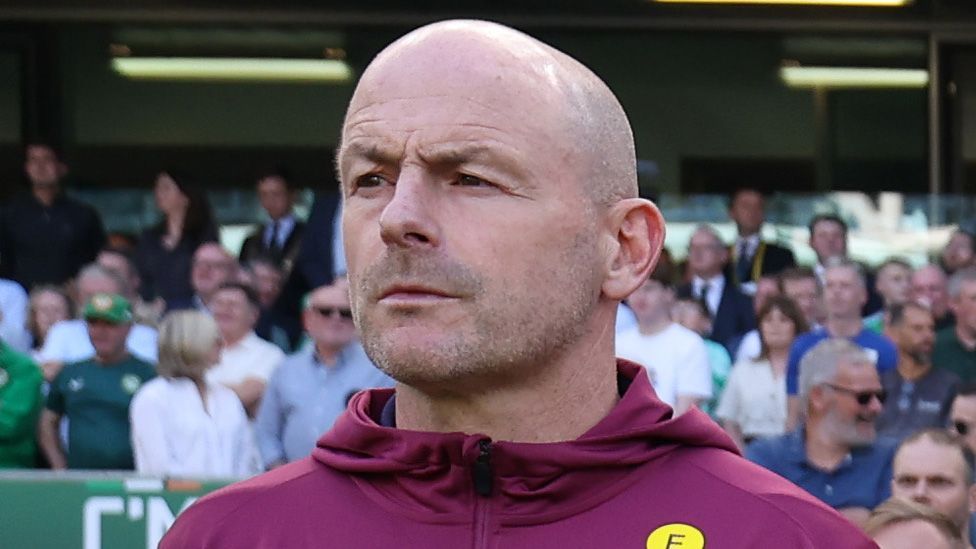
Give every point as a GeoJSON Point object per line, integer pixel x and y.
{"type": "Point", "coordinates": [311, 388]}
{"type": "Point", "coordinates": [835, 455]}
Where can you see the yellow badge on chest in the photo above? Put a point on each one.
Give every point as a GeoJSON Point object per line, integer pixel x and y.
{"type": "Point", "coordinates": [676, 536]}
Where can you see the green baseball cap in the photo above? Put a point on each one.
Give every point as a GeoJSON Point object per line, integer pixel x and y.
{"type": "Point", "coordinates": [108, 307]}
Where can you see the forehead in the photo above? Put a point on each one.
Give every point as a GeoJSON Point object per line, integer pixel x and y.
{"type": "Point", "coordinates": [894, 269]}
{"type": "Point", "coordinates": [928, 275]}
{"type": "Point", "coordinates": [272, 183]}
{"type": "Point", "coordinates": [705, 238]}
{"type": "Point", "coordinates": [210, 252]}
{"type": "Point", "coordinates": [857, 372]}
{"type": "Point", "coordinates": [917, 314]}
{"type": "Point", "coordinates": [749, 198]}
{"type": "Point", "coordinates": [330, 295]}
{"type": "Point", "coordinates": [924, 457]}
{"type": "Point", "coordinates": [231, 295]}
{"type": "Point", "coordinates": [40, 152]}
{"type": "Point", "coordinates": [827, 226]}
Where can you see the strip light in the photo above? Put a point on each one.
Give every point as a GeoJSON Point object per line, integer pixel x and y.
{"type": "Point", "coordinates": [232, 69]}
{"type": "Point", "coordinates": [870, 3]}
{"type": "Point", "coordinates": [853, 77]}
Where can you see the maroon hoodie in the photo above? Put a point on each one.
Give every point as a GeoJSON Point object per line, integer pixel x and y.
{"type": "Point", "coordinates": [638, 479]}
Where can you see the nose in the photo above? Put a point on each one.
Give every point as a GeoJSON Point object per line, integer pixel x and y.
{"type": "Point", "coordinates": [920, 492]}
{"type": "Point", "coordinates": [408, 219]}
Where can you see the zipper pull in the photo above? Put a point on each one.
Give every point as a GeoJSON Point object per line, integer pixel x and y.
{"type": "Point", "coordinates": [481, 473]}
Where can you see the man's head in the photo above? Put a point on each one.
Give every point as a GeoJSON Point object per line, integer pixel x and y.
{"type": "Point", "coordinates": [962, 300]}
{"type": "Point", "coordinates": [828, 237]}
{"type": "Point", "coordinates": [96, 279]}
{"type": "Point", "coordinates": [840, 385]}
{"type": "Point", "coordinates": [328, 317]}
{"type": "Point", "coordinates": [43, 165]}
{"type": "Point", "coordinates": [935, 468]}
{"type": "Point", "coordinates": [894, 281]}
{"type": "Point", "coordinates": [802, 286]}
{"type": "Point", "coordinates": [766, 287]}
{"type": "Point", "coordinates": [120, 263]}
{"type": "Point", "coordinates": [707, 254]}
{"type": "Point", "coordinates": [276, 192]}
{"type": "Point", "coordinates": [692, 314]}
{"type": "Point", "coordinates": [109, 319]}
{"type": "Point", "coordinates": [930, 286]}
{"type": "Point", "coordinates": [266, 279]}
{"type": "Point", "coordinates": [747, 210]}
{"type": "Point", "coordinates": [962, 415]}
{"type": "Point", "coordinates": [484, 245]}
{"type": "Point", "coordinates": [844, 289]}
{"type": "Point", "coordinates": [959, 252]}
{"type": "Point", "coordinates": [912, 329]}
{"type": "Point", "coordinates": [904, 524]}
{"type": "Point", "coordinates": [235, 308]}
{"type": "Point", "coordinates": [652, 300]}
{"type": "Point", "coordinates": [212, 267]}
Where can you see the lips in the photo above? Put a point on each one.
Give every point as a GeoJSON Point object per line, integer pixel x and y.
{"type": "Point", "coordinates": [413, 292]}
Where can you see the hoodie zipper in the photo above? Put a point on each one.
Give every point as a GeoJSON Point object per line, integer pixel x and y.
{"type": "Point", "coordinates": [481, 476]}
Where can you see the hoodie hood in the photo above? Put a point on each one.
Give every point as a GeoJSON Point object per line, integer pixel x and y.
{"type": "Point", "coordinates": [430, 475]}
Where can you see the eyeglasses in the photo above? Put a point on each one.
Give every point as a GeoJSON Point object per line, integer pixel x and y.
{"type": "Point", "coordinates": [863, 397]}
{"type": "Point", "coordinates": [343, 312]}
{"type": "Point", "coordinates": [960, 427]}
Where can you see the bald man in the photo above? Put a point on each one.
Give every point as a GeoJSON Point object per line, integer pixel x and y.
{"type": "Point", "coordinates": [492, 227]}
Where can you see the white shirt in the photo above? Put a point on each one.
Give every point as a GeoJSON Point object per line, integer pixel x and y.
{"type": "Point", "coordinates": [751, 243]}
{"type": "Point", "coordinates": [754, 399]}
{"type": "Point", "coordinates": [749, 347]}
{"type": "Point", "coordinates": [13, 324]}
{"type": "Point", "coordinates": [285, 226]}
{"type": "Point", "coordinates": [716, 285]}
{"type": "Point", "coordinates": [251, 357]}
{"type": "Point", "coordinates": [675, 359]}
{"type": "Point", "coordinates": [174, 435]}
{"type": "Point", "coordinates": [68, 341]}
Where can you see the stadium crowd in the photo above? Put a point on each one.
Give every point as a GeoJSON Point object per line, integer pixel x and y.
{"type": "Point", "coordinates": [170, 356]}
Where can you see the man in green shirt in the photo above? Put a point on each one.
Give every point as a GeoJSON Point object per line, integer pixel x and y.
{"type": "Point", "coordinates": [955, 346]}
{"type": "Point", "coordinates": [20, 401]}
{"type": "Point", "coordinates": [94, 394]}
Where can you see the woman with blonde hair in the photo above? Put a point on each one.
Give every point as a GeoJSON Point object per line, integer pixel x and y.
{"type": "Point", "coordinates": [181, 424]}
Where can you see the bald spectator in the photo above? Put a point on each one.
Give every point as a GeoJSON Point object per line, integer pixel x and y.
{"type": "Point", "coordinates": [45, 235]}
{"type": "Point", "coordinates": [955, 347]}
{"type": "Point", "coordinates": [959, 252]}
{"type": "Point", "coordinates": [752, 257]}
{"type": "Point", "coordinates": [894, 284]}
{"type": "Point", "coordinates": [828, 238]}
{"type": "Point", "coordinates": [931, 287]}
{"type": "Point", "coordinates": [213, 266]}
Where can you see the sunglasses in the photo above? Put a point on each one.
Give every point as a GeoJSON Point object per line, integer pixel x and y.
{"type": "Point", "coordinates": [345, 313]}
{"type": "Point", "coordinates": [862, 397]}
{"type": "Point", "coordinates": [960, 427]}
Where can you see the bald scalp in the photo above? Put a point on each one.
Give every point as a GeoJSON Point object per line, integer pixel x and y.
{"type": "Point", "coordinates": [589, 117]}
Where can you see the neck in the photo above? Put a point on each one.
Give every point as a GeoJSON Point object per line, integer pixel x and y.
{"type": "Point", "coordinates": [911, 369]}
{"type": "Point", "coordinates": [45, 194]}
{"type": "Point", "coordinates": [174, 222]}
{"type": "Point", "coordinates": [653, 325]}
{"type": "Point", "coordinates": [281, 217]}
{"type": "Point", "coordinates": [327, 354]}
{"type": "Point", "coordinates": [745, 235]}
{"type": "Point", "coordinates": [707, 277]}
{"type": "Point", "coordinates": [778, 358]}
{"type": "Point", "coordinates": [556, 401]}
{"type": "Point", "coordinates": [823, 452]}
{"type": "Point", "coordinates": [843, 326]}
{"type": "Point", "coordinates": [234, 339]}
{"type": "Point", "coordinates": [112, 358]}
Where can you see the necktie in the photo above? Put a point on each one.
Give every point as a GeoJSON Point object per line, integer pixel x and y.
{"type": "Point", "coordinates": [273, 241]}
{"type": "Point", "coordinates": [703, 296]}
{"type": "Point", "coordinates": [743, 264]}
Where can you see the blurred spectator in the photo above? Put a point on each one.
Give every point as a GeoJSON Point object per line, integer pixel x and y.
{"type": "Point", "coordinates": [753, 404]}
{"type": "Point", "coordinates": [246, 361]}
{"type": "Point", "coordinates": [182, 424]}
{"type": "Point", "coordinates": [835, 455]}
{"type": "Point", "coordinates": [692, 314]}
{"type": "Point", "coordinates": [931, 287]}
{"type": "Point", "coordinates": [212, 267]}
{"type": "Point", "coordinates": [920, 395]}
{"type": "Point", "coordinates": [674, 357]}
{"type": "Point", "coordinates": [934, 468]}
{"type": "Point", "coordinates": [959, 252]}
{"type": "Point", "coordinates": [748, 346]}
{"type": "Point", "coordinates": [310, 389]}
{"type": "Point", "coordinates": [894, 284]}
{"type": "Point", "coordinates": [48, 306]}
{"type": "Point", "coordinates": [266, 279]}
{"type": "Point", "coordinates": [45, 235]}
{"type": "Point", "coordinates": [20, 403]}
{"type": "Point", "coordinates": [165, 251]}
{"type": "Point", "coordinates": [804, 288]}
{"type": "Point", "coordinates": [955, 346]}
{"type": "Point", "coordinates": [13, 316]}
{"type": "Point", "coordinates": [280, 239]}
{"type": "Point", "coordinates": [69, 341]}
{"type": "Point", "coordinates": [828, 238]}
{"type": "Point", "coordinates": [94, 394]}
{"type": "Point", "coordinates": [753, 258]}
{"type": "Point", "coordinates": [120, 262]}
{"type": "Point", "coordinates": [844, 295]}
{"type": "Point", "coordinates": [962, 415]}
{"type": "Point", "coordinates": [904, 524]}
{"type": "Point", "coordinates": [730, 309]}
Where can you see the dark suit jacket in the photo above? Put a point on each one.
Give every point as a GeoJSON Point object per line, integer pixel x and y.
{"type": "Point", "coordinates": [768, 259]}
{"type": "Point", "coordinates": [735, 315]}
{"type": "Point", "coordinates": [254, 247]}
{"type": "Point", "coordinates": [314, 263]}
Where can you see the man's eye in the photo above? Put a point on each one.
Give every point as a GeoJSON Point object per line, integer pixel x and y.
{"type": "Point", "coordinates": [372, 180]}
{"type": "Point", "coordinates": [471, 181]}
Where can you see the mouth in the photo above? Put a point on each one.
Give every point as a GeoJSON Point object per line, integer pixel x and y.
{"type": "Point", "coordinates": [413, 294]}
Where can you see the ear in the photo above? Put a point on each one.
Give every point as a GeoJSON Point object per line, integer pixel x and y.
{"type": "Point", "coordinates": [972, 498]}
{"type": "Point", "coordinates": [816, 398]}
{"type": "Point", "coordinates": [636, 229]}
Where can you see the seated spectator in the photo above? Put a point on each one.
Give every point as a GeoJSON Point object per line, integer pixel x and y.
{"type": "Point", "coordinates": [69, 341]}
{"type": "Point", "coordinates": [959, 252]}
{"type": "Point", "coordinates": [212, 267]}
{"type": "Point", "coordinates": [844, 296]}
{"type": "Point", "coordinates": [962, 415]}
{"type": "Point", "coordinates": [94, 394]}
{"type": "Point", "coordinates": [692, 314]}
{"type": "Point", "coordinates": [835, 455]}
{"type": "Point", "coordinates": [930, 286]}
{"type": "Point", "coordinates": [283, 330]}
{"type": "Point", "coordinates": [674, 357]}
{"type": "Point", "coordinates": [120, 262]}
{"type": "Point", "coordinates": [182, 424]}
{"type": "Point", "coordinates": [828, 238]}
{"type": "Point", "coordinates": [20, 403]}
{"type": "Point", "coordinates": [920, 395]}
{"type": "Point", "coordinates": [752, 257]}
{"type": "Point", "coordinates": [13, 316]}
{"type": "Point", "coordinates": [904, 524]}
{"type": "Point", "coordinates": [280, 239]}
{"type": "Point", "coordinates": [894, 284]}
{"type": "Point", "coordinates": [310, 389]}
{"type": "Point", "coordinates": [955, 346]}
{"type": "Point", "coordinates": [935, 468]}
{"type": "Point", "coordinates": [753, 404]}
{"type": "Point", "coordinates": [48, 305]}
{"type": "Point", "coordinates": [166, 250]}
{"type": "Point", "coordinates": [730, 309]}
{"type": "Point", "coordinates": [748, 345]}
{"type": "Point", "coordinates": [246, 361]}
